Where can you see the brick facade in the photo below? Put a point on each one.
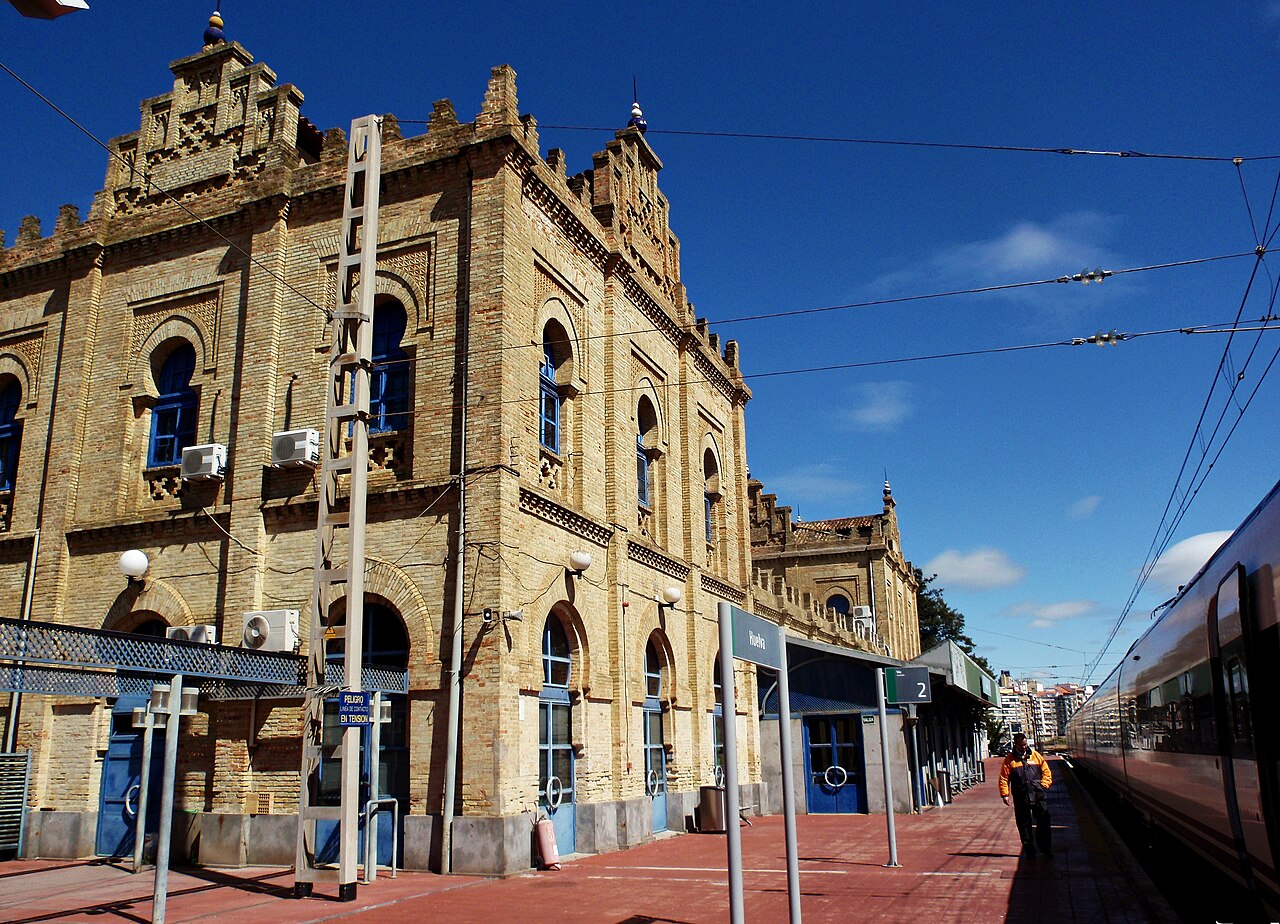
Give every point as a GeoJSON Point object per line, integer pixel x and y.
{"type": "Point", "coordinates": [855, 561]}
{"type": "Point", "coordinates": [217, 227]}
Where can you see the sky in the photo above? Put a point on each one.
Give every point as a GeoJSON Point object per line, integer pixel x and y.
{"type": "Point", "coordinates": [1034, 483]}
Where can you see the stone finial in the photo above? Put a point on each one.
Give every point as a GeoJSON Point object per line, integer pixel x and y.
{"type": "Point", "coordinates": [214, 35]}
{"type": "Point", "coordinates": [391, 129]}
{"type": "Point", "coordinates": [637, 120]}
{"type": "Point", "coordinates": [29, 230]}
{"type": "Point", "coordinates": [68, 218]}
{"type": "Point", "coordinates": [500, 106]}
{"type": "Point", "coordinates": [443, 115]}
{"type": "Point", "coordinates": [731, 354]}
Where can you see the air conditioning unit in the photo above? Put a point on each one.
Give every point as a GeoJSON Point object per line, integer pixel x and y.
{"type": "Point", "coordinates": [271, 630]}
{"type": "Point", "coordinates": [860, 612]}
{"type": "Point", "coordinates": [295, 448]}
{"type": "Point", "coordinates": [204, 463]}
{"type": "Point", "coordinates": [206, 635]}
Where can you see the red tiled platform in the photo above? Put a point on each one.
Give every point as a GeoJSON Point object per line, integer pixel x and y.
{"type": "Point", "coordinates": [958, 863]}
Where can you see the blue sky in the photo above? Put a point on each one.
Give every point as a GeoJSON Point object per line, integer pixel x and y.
{"type": "Point", "coordinates": [1031, 482]}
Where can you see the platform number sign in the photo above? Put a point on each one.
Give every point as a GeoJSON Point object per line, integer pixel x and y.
{"type": "Point", "coordinates": [907, 685]}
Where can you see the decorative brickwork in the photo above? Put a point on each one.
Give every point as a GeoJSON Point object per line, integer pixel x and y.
{"type": "Point", "coordinates": [483, 243]}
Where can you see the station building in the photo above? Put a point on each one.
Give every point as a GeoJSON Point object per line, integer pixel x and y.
{"type": "Point", "coordinates": [190, 307]}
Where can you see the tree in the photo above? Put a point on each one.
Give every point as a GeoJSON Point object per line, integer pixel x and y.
{"type": "Point", "coordinates": [995, 732]}
{"type": "Point", "coordinates": [940, 622]}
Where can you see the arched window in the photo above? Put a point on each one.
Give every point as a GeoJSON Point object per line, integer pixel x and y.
{"type": "Point", "coordinates": [646, 442]}
{"type": "Point", "coordinates": [717, 723]}
{"type": "Point", "coordinates": [389, 380]}
{"type": "Point", "coordinates": [10, 434]}
{"type": "Point", "coordinates": [556, 658]}
{"type": "Point", "coordinates": [554, 375]}
{"type": "Point", "coordinates": [711, 494]}
{"type": "Point", "coordinates": [550, 406]}
{"type": "Point", "coordinates": [173, 420]}
{"type": "Point", "coordinates": [839, 603]}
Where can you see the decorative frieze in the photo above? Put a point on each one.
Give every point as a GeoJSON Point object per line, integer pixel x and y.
{"type": "Point", "coordinates": [656, 560]}
{"type": "Point", "coordinates": [723, 590]}
{"type": "Point", "coordinates": [544, 508]}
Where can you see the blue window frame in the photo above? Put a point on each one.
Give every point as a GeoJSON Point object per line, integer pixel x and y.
{"type": "Point", "coordinates": [717, 718]}
{"type": "Point", "coordinates": [555, 745]}
{"type": "Point", "coordinates": [642, 472]}
{"type": "Point", "coordinates": [173, 420]}
{"type": "Point", "coordinates": [10, 434]}
{"type": "Point", "coordinates": [655, 751]}
{"type": "Point", "coordinates": [549, 409]}
{"type": "Point", "coordinates": [389, 379]}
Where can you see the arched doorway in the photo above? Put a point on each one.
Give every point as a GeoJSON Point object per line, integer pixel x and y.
{"type": "Point", "coordinates": [655, 749]}
{"type": "Point", "coordinates": [386, 644]}
{"type": "Point", "coordinates": [555, 745]}
{"type": "Point", "coordinates": [121, 785]}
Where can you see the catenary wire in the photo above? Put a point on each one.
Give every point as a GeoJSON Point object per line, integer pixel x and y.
{"type": "Point", "coordinates": [890, 142]}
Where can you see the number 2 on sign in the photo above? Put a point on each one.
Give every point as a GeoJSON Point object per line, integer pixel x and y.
{"type": "Point", "coordinates": [921, 693]}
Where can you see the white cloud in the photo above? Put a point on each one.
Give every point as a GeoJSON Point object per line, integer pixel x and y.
{"type": "Point", "coordinates": [878, 406]}
{"type": "Point", "coordinates": [1084, 507]}
{"type": "Point", "coordinates": [980, 569]}
{"type": "Point", "coordinates": [1180, 562]}
{"type": "Point", "coordinates": [815, 483]}
{"type": "Point", "coordinates": [1046, 615]}
{"type": "Point", "coordinates": [1024, 251]}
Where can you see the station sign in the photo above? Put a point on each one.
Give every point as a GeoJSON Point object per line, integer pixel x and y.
{"type": "Point", "coordinates": [907, 685]}
{"type": "Point", "coordinates": [756, 640]}
{"type": "Point", "coordinates": [353, 709]}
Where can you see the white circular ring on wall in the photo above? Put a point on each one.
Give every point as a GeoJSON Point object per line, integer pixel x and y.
{"type": "Point", "coordinates": [844, 776]}
{"type": "Point", "coordinates": [555, 792]}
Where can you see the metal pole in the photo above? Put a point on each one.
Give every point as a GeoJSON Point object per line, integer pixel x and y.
{"type": "Point", "coordinates": [374, 744]}
{"type": "Point", "coordinates": [144, 787]}
{"type": "Point", "coordinates": [731, 807]}
{"type": "Point", "coordinates": [917, 784]}
{"type": "Point", "coordinates": [455, 647]}
{"type": "Point", "coordinates": [788, 791]}
{"type": "Point", "coordinates": [888, 781]}
{"type": "Point", "coordinates": [161, 891]}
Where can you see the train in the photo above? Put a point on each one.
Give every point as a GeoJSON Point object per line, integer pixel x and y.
{"type": "Point", "coordinates": [1179, 729]}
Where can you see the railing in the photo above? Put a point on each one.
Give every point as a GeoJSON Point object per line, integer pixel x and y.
{"type": "Point", "coordinates": [371, 809]}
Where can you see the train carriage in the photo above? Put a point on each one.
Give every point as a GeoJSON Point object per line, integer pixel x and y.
{"type": "Point", "coordinates": [1180, 727]}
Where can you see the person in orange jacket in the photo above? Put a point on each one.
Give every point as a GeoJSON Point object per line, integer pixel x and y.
{"type": "Point", "coordinates": [1025, 777]}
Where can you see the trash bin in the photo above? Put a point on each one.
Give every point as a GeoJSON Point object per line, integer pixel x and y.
{"type": "Point", "coordinates": [711, 810]}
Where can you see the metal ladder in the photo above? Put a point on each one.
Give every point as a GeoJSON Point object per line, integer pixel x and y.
{"type": "Point", "coordinates": [346, 411]}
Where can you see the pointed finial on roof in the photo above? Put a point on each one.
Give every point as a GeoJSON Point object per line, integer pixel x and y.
{"type": "Point", "coordinates": [213, 35]}
{"type": "Point", "coordinates": [637, 120]}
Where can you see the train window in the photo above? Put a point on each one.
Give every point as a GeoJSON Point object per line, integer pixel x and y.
{"type": "Point", "coordinates": [1235, 679]}
{"type": "Point", "coordinates": [1236, 685]}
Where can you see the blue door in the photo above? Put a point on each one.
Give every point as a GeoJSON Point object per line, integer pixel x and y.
{"type": "Point", "coordinates": [122, 778]}
{"type": "Point", "coordinates": [835, 779]}
{"type": "Point", "coordinates": [655, 768]}
{"type": "Point", "coordinates": [655, 750]}
{"type": "Point", "coordinates": [556, 762]}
